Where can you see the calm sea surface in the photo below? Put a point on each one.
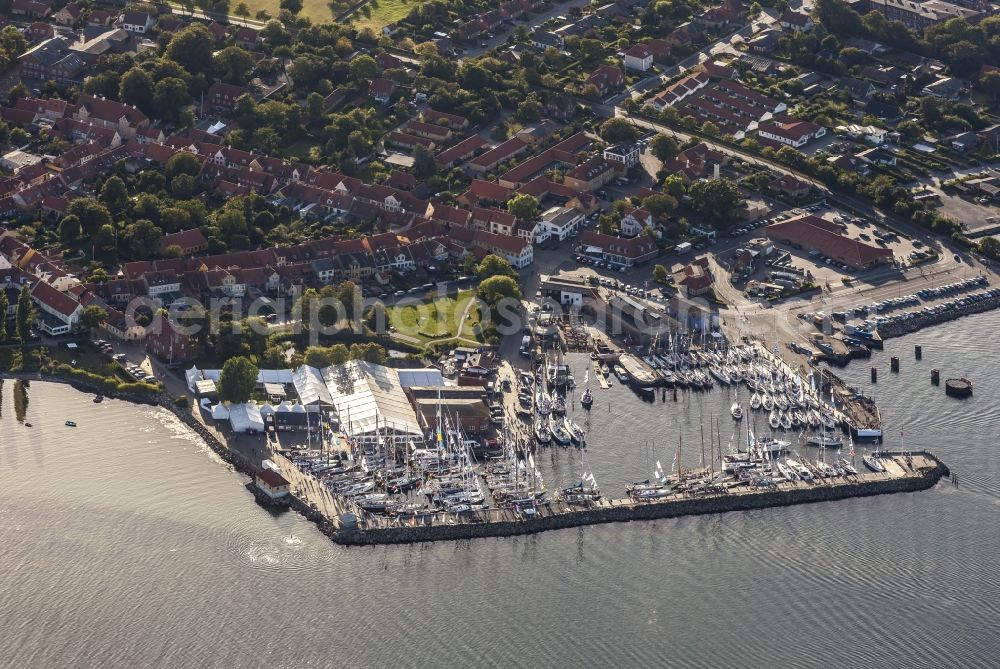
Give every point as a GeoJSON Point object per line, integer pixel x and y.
{"type": "Point", "coordinates": [126, 543]}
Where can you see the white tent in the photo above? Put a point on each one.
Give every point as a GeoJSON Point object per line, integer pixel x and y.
{"type": "Point", "coordinates": [192, 376]}
{"type": "Point", "coordinates": [220, 412]}
{"type": "Point", "coordinates": [267, 409]}
{"type": "Point", "coordinates": [246, 418]}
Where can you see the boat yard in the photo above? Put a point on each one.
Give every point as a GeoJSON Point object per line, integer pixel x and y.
{"type": "Point", "coordinates": [903, 473]}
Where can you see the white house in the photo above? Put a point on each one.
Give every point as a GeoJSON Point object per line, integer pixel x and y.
{"type": "Point", "coordinates": [635, 221]}
{"type": "Point", "coordinates": [626, 154]}
{"type": "Point", "coordinates": [137, 22]}
{"type": "Point", "coordinates": [639, 58]}
{"type": "Point", "coordinates": [58, 313]}
{"type": "Point", "coordinates": [791, 133]}
{"type": "Point", "coordinates": [273, 484]}
{"type": "Point", "coordinates": [561, 222]}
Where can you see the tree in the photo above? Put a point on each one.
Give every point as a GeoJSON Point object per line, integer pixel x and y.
{"type": "Point", "coordinates": [523, 206]}
{"type": "Point", "coordinates": [496, 288]}
{"type": "Point", "coordinates": [424, 165]}
{"type": "Point", "coordinates": [349, 295]}
{"type": "Point", "coordinates": [660, 204]}
{"type": "Point", "coordinates": [238, 380]}
{"type": "Point", "coordinates": [114, 194]}
{"type": "Point", "coordinates": [293, 6]}
{"type": "Point", "coordinates": [664, 147]}
{"type": "Point", "coordinates": [660, 274]}
{"type": "Point", "coordinates": [69, 230]}
{"type": "Point", "coordinates": [617, 130]}
{"type": "Point", "coordinates": [674, 185]}
{"type": "Point", "coordinates": [363, 68]}
{"type": "Point", "coordinates": [25, 315]}
{"type": "Point", "coordinates": [242, 11]}
{"type": "Point", "coordinates": [142, 237]}
{"type": "Point", "coordinates": [233, 65]}
{"type": "Point", "coordinates": [591, 49]}
{"type": "Point", "coordinates": [169, 96]}
{"type": "Point", "coordinates": [717, 199]}
{"type": "Point", "coordinates": [91, 214]}
{"type": "Point", "coordinates": [94, 316]}
{"type": "Point", "coordinates": [989, 83]}
{"type": "Point", "coordinates": [494, 265]}
{"type": "Point", "coordinates": [182, 163]}
{"type": "Point", "coordinates": [136, 88]}
{"type": "Point", "coordinates": [191, 47]}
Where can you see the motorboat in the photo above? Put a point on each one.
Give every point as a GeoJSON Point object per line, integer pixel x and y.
{"type": "Point", "coordinates": [587, 399]}
{"type": "Point", "coordinates": [786, 421]}
{"type": "Point", "coordinates": [801, 471]}
{"type": "Point", "coordinates": [755, 402]}
{"type": "Point", "coordinates": [767, 401]}
{"type": "Point", "coordinates": [737, 411]}
{"type": "Point", "coordinates": [70, 423]}
{"type": "Point", "coordinates": [773, 420]}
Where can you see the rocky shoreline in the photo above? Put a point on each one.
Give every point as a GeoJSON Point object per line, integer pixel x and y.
{"type": "Point", "coordinates": [925, 320]}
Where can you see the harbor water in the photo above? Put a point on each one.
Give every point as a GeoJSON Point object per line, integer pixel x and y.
{"type": "Point", "coordinates": [126, 542]}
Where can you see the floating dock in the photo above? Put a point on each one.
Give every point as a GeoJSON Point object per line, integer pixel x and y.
{"type": "Point", "coordinates": [905, 472]}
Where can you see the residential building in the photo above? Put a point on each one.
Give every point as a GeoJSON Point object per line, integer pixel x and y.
{"type": "Point", "coordinates": [137, 22]}
{"type": "Point", "coordinates": [58, 313]}
{"type": "Point", "coordinates": [627, 154]}
{"type": "Point", "coordinates": [639, 58]}
{"type": "Point", "coordinates": [695, 278]}
{"type": "Point", "coordinates": [790, 132]}
{"type": "Point", "coordinates": [920, 15]}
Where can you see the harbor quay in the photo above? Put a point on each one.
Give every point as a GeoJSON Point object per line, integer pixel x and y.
{"type": "Point", "coordinates": [904, 472]}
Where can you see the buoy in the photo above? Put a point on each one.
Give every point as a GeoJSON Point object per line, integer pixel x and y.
{"type": "Point", "coordinates": [874, 375]}
{"type": "Point", "coordinates": [918, 352]}
{"type": "Point", "coordinates": [935, 377]}
{"type": "Point", "coordinates": [894, 364]}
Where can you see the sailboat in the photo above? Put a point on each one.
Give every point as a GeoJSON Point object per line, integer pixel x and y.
{"type": "Point", "coordinates": [872, 462]}
{"type": "Point", "coordinates": [585, 490]}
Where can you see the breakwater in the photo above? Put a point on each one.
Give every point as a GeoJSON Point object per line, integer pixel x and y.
{"type": "Point", "coordinates": [905, 473]}
{"type": "Point", "coordinates": [924, 319]}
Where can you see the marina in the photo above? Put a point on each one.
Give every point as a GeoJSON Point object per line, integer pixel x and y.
{"type": "Point", "coordinates": [799, 441]}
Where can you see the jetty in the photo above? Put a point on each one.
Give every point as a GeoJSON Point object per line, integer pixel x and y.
{"type": "Point", "coordinates": [348, 525]}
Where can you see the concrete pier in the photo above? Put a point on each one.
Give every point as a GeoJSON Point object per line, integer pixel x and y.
{"type": "Point", "coordinates": [904, 473]}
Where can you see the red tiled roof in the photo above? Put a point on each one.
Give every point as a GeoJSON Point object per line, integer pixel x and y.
{"type": "Point", "coordinates": [825, 236]}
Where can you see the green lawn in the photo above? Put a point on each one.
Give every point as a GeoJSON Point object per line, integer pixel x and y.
{"type": "Point", "coordinates": [317, 11]}
{"type": "Point", "coordinates": [383, 12]}
{"type": "Point", "coordinates": [436, 318]}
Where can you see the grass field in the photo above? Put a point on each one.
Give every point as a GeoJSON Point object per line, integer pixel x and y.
{"type": "Point", "coordinates": [383, 12]}
{"type": "Point", "coordinates": [436, 318]}
{"type": "Point", "coordinates": [317, 11]}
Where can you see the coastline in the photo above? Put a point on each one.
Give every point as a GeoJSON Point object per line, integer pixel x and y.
{"type": "Point", "coordinates": [377, 531]}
